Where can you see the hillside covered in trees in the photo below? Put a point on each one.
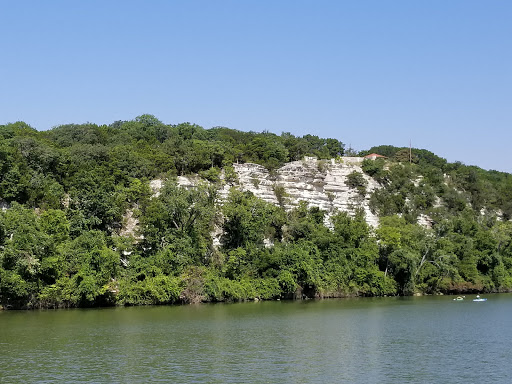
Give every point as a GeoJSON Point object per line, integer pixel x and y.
{"type": "Point", "coordinates": [65, 193]}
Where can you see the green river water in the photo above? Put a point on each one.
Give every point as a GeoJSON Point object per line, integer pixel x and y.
{"type": "Point", "coordinates": [366, 340]}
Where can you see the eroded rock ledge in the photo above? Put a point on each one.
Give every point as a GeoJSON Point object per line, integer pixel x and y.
{"type": "Point", "coordinates": [320, 183]}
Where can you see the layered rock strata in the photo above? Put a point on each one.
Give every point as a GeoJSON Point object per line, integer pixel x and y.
{"type": "Point", "coordinates": [319, 183]}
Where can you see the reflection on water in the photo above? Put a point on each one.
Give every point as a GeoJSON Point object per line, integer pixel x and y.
{"type": "Point", "coordinates": [383, 340]}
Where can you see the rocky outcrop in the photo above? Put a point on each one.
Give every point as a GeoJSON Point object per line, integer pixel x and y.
{"type": "Point", "coordinates": [319, 183]}
{"type": "Point", "coordinates": [130, 225]}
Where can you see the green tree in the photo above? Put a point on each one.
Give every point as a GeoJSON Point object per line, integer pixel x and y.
{"type": "Point", "coordinates": [180, 219]}
{"type": "Point", "coordinates": [247, 220]}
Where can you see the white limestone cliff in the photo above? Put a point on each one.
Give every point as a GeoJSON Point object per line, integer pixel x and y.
{"type": "Point", "coordinates": [319, 183]}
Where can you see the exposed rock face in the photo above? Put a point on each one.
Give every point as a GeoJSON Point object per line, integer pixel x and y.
{"type": "Point", "coordinates": [130, 225]}
{"type": "Point", "coordinates": [156, 185]}
{"type": "Point", "coordinates": [319, 183]}
{"type": "Point", "coordinates": [425, 221]}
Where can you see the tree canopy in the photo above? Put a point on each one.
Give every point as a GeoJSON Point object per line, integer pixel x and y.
{"type": "Point", "coordinates": [67, 195]}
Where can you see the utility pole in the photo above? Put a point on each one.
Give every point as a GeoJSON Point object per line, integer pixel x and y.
{"type": "Point", "coordinates": [410, 152]}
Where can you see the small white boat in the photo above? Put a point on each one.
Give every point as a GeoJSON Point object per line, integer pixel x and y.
{"type": "Point", "coordinates": [478, 298]}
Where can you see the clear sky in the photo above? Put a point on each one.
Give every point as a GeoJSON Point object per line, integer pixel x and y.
{"type": "Point", "coordinates": [367, 72]}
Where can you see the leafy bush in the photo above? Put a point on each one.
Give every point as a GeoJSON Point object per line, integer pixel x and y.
{"type": "Point", "coordinates": [357, 181]}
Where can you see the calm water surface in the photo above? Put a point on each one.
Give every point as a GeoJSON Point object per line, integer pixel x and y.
{"type": "Point", "coordinates": [384, 340]}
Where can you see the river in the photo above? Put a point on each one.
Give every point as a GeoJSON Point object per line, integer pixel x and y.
{"type": "Point", "coordinates": [366, 340]}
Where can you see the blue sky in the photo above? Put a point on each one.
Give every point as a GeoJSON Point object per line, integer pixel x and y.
{"type": "Point", "coordinates": [437, 72]}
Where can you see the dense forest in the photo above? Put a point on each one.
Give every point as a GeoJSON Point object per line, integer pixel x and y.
{"type": "Point", "coordinates": [65, 192]}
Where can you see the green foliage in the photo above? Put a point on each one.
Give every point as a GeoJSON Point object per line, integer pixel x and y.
{"type": "Point", "coordinates": [180, 221]}
{"type": "Point", "coordinates": [212, 175]}
{"type": "Point", "coordinates": [405, 155]}
{"type": "Point", "coordinates": [66, 191]}
{"type": "Point", "coordinates": [159, 289]}
{"type": "Point", "coordinates": [374, 168]}
{"type": "Point", "coordinates": [247, 220]}
{"type": "Point", "coordinates": [322, 166]}
{"type": "Point", "coordinates": [280, 193]}
{"type": "Point", "coordinates": [357, 181]}
{"type": "Point", "coordinates": [230, 176]}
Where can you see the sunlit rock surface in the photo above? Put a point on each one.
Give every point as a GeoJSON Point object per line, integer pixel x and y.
{"type": "Point", "coordinates": [320, 183]}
